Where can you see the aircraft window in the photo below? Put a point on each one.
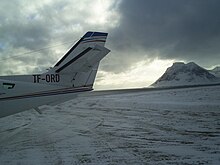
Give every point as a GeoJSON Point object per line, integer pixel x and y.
{"type": "Point", "coordinates": [8, 85]}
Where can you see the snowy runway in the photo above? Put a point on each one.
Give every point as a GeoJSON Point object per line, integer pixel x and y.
{"type": "Point", "coordinates": [176, 126]}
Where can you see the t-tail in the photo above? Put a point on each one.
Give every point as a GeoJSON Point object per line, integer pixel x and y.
{"type": "Point", "coordinates": [78, 67]}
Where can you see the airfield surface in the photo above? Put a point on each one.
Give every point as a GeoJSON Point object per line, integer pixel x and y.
{"type": "Point", "coordinates": [176, 126]}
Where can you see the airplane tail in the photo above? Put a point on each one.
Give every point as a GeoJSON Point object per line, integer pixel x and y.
{"type": "Point", "coordinates": [78, 67]}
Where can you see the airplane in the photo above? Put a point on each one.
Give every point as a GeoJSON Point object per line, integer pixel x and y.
{"type": "Point", "coordinates": [74, 73]}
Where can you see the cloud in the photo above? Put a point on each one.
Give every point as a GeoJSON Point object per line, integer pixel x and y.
{"type": "Point", "coordinates": [27, 26]}
{"type": "Point", "coordinates": [141, 74]}
{"type": "Point", "coordinates": [139, 31]}
{"type": "Point", "coordinates": [183, 30]}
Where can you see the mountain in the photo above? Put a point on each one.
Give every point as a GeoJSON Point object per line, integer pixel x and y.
{"type": "Point", "coordinates": [180, 74]}
{"type": "Point", "coordinates": [215, 71]}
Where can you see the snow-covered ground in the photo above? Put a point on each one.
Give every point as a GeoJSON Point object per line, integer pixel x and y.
{"type": "Point", "coordinates": [178, 126]}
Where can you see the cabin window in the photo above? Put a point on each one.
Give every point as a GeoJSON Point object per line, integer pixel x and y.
{"type": "Point", "coordinates": [8, 85]}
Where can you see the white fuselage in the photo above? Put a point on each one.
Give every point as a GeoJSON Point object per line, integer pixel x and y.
{"type": "Point", "coordinates": [16, 96]}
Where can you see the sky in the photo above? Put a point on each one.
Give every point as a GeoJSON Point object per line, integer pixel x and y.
{"type": "Point", "coordinates": [145, 36]}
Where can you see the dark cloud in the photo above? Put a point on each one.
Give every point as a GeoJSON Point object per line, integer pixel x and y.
{"type": "Point", "coordinates": [184, 30]}
{"type": "Point", "coordinates": [169, 29]}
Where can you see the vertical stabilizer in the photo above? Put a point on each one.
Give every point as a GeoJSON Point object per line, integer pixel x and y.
{"type": "Point", "coordinates": [78, 67]}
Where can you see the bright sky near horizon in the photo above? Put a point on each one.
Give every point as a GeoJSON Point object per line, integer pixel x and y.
{"type": "Point", "coordinates": [145, 36]}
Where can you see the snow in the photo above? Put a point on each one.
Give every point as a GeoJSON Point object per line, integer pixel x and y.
{"type": "Point", "coordinates": [180, 74]}
{"type": "Point", "coordinates": [215, 71]}
{"type": "Point", "coordinates": [175, 126]}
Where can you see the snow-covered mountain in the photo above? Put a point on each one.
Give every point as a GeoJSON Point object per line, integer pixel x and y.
{"type": "Point", "coordinates": [185, 74]}
{"type": "Point", "coordinates": [215, 71]}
